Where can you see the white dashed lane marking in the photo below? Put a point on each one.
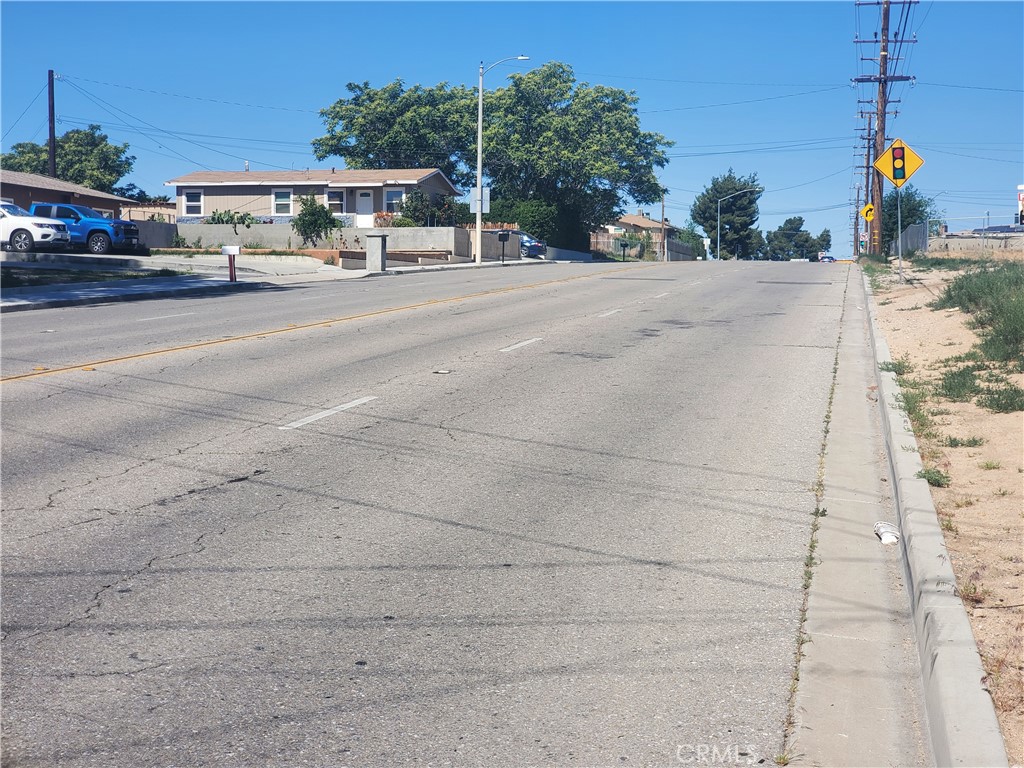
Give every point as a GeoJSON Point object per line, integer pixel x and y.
{"type": "Point", "coordinates": [328, 412]}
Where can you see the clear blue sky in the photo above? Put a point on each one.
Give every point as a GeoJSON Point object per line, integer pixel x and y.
{"type": "Point", "coordinates": [760, 87]}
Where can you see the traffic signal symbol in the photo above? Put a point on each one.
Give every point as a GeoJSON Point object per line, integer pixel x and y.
{"type": "Point", "coordinates": [899, 164]}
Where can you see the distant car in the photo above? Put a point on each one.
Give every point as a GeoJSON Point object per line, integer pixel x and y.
{"type": "Point", "coordinates": [827, 259]}
{"type": "Point", "coordinates": [22, 232]}
{"type": "Point", "coordinates": [531, 246]}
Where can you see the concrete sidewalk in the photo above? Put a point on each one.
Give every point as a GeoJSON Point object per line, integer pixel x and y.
{"type": "Point", "coordinates": [209, 274]}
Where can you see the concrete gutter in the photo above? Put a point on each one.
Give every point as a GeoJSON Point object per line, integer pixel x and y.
{"type": "Point", "coordinates": [962, 718]}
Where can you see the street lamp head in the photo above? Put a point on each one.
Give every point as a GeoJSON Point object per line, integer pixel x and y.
{"type": "Point", "coordinates": [520, 57]}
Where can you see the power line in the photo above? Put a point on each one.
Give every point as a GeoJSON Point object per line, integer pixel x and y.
{"type": "Point", "coordinates": [26, 110]}
{"type": "Point", "coordinates": [194, 98]}
{"type": "Point", "coordinates": [746, 101]}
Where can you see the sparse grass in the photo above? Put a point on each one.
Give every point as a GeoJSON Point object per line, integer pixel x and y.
{"type": "Point", "coordinates": [946, 263]}
{"type": "Point", "coordinates": [990, 465]}
{"type": "Point", "coordinates": [972, 591]}
{"type": "Point", "coordinates": [963, 442]}
{"type": "Point", "coordinates": [960, 384]}
{"type": "Point", "coordinates": [940, 412]}
{"type": "Point", "coordinates": [935, 477]}
{"type": "Point", "coordinates": [995, 298]}
{"type": "Point", "coordinates": [959, 502]}
{"type": "Point", "coordinates": [1006, 399]}
{"type": "Point", "coordinates": [782, 759]}
{"type": "Point", "coordinates": [1003, 492]}
{"type": "Point", "coordinates": [900, 366]}
{"type": "Point", "coordinates": [912, 402]}
{"type": "Point", "coordinates": [946, 521]}
{"type": "Point", "coordinates": [909, 309]}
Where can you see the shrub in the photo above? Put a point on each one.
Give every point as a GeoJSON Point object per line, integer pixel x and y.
{"type": "Point", "coordinates": [403, 221]}
{"type": "Point", "coordinates": [960, 384]}
{"type": "Point", "coordinates": [935, 477]}
{"type": "Point", "coordinates": [1008, 399]}
{"type": "Point", "coordinates": [314, 222]}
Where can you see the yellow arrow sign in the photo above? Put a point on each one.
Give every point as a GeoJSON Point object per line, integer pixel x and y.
{"type": "Point", "coordinates": [898, 163]}
{"type": "Point", "coordinates": [868, 212]}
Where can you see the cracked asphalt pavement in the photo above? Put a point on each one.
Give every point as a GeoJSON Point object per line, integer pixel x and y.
{"type": "Point", "coordinates": [585, 550]}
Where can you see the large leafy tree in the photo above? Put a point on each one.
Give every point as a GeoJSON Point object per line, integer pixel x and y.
{"type": "Point", "coordinates": [575, 149]}
{"type": "Point", "coordinates": [399, 127]}
{"type": "Point", "coordinates": [914, 208]}
{"type": "Point", "coordinates": [792, 241]}
{"type": "Point", "coordinates": [575, 146]}
{"type": "Point", "coordinates": [738, 196]}
{"type": "Point", "coordinates": [84, 156]}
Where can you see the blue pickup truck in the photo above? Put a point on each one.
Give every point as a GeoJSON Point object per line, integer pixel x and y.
{"type": "Point", "coordinates": [90, 229]}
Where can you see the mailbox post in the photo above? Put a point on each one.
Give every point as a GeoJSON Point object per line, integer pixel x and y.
{"type": "Point", "coordinates": [503, 238]}
{"type": "Point", "coordinates": [230, 251]}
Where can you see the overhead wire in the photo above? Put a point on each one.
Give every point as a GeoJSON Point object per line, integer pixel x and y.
{"type": "Point", "coordinates": [40, 92]}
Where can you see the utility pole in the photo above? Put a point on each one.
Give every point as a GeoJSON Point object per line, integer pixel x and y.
{"type": "Point", "coordinates": [875, 241]}
{"type": "Point", "coordinates": [883, 78]}
{"type": "Point", "coordinates": [53, 128]}
{"type": "Point", "coordinates": [664, 242]}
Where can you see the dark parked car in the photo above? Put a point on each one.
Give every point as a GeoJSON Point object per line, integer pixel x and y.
{"type": "Point", "coordinates": [531, 246]}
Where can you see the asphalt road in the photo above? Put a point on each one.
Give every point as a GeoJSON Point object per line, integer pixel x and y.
{"type": "Point", "coordinates": [538, 516]}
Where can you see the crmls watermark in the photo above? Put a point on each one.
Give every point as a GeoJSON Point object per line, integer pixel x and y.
{"type": "Point", "coordinates": [715, 754]}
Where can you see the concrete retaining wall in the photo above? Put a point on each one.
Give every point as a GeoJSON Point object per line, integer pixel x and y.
{"type": "Point", "coordinates": [156, 234]}
{"type": "Point", "coordinates": [451, 239]}
{"type": "Point", "coordinates": [564, 254]}
{"type": "Point", "coordinates": [976, 244]}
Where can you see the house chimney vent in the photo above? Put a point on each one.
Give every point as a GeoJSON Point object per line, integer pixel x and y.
{"type": "Point", "coordinates": [246, 166]}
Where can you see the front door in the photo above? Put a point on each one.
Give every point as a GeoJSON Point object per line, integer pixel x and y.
{"type": "Point", "coordinates": [364, 207]}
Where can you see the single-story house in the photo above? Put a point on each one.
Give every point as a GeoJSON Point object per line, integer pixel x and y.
{"type": "Point", "coordinates": [608, 239]}
{"type": "Point", "coordinates": [274, 195]}
{"type": "Point", "coordinates": [26, 188]}
{"type": "Point", "coordinates": [638, 223]}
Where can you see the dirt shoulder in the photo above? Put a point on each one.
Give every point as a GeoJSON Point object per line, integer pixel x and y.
{"type": "Point", "coordinates": [982, 453]}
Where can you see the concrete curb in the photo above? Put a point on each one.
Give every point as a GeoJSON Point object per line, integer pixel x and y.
{"type": "Point", "coordinates": [962, 719]}
{"type": "Point", "coordinates": [161, 293]}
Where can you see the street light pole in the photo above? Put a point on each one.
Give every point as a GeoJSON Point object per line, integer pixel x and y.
{"type": "Point", "coordinates": [480, 154]}
{"type": "Point", "coordinates": [718, 244]}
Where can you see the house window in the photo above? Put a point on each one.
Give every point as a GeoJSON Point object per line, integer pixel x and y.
{"type": "Point", "coordinates": [193, 202]}
{"type": "Point", "coordinates": [281, 202]}
{"type": "Point", "coordinates": [393, 197]}
{"type": "Point", "coordinates": [336, 201]}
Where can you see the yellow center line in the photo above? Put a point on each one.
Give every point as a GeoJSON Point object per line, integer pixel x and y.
{"type": "Point", "coordinates": [291, 328]}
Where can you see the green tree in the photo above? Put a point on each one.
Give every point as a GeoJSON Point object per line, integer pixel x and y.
{"type": "Point", "coordinates": [575, 148]}
{"type": "Point", "coordinates": [791, 241]}
{"type": "Point", "coordinates": [740, 238]}
{"type": "Point", "coordinates": [399, 127]}
{"type": "Point", "coordinates": [914, 208]}
{"type": "Point", "coordinates": [314, 222]}
{"type": "Point", "coordinates": [689, 235]}
{"type": "Point", "coordinates": [84, 156]}
{"type": "Point", "coordinates": [572, 145]}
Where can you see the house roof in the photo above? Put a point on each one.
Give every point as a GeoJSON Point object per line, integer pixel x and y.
{"type": "Point", "coordinates": [643, 222]}
{"type": "Point", "coordinates": [331, 177]}
{"type": "Point", "coordinates": [38, 181]}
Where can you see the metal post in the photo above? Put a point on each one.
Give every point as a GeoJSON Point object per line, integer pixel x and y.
{"type": "Point", "coordinates": [899, 231]}
{"type": "Point", "coordinates": [480, 154]}
{"type": "Point", "coordinates": [53, 129]}
{"type": "Point", "coordinates": [480, 167]}
{"type": "Point", "coordinates": [718, 243]}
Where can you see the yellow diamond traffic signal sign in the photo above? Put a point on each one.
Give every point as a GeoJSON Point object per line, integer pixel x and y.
{"type": "Point", "coordinates": [868, 212]}
{"type": "Point", "coordinates": [898, 163]}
